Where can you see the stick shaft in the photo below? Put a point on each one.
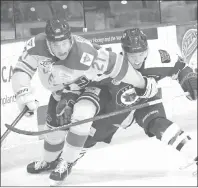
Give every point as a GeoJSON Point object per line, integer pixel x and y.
{"type": "Point", "coordinates": [14, 123]}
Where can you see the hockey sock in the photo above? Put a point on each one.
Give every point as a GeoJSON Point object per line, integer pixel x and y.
{"type": "Point", "coordinates": [171, 134]}
{"type": "Point", "coordinates": [74, 145]}
{"type": "Point", "coordinates": [180, 140]}
{"type": "Point", "coordinates": [53, 145]}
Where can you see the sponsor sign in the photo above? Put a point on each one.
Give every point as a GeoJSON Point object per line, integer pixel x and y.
{"type": "Point", "coordinates": [105, 37]}
{"type": "Point", "coordinates": [187, 41]}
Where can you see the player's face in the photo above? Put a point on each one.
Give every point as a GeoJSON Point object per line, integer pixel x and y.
{"type": "Point", "coordinates": [61, 48]}
{"type": "Point", "coordinates": [137, 59]}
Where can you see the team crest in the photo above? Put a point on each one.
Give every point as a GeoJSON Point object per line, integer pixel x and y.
{"type": "Point", "coordinates": [165, 57]}
{"type": "Point", "coordinates": [126, 96]}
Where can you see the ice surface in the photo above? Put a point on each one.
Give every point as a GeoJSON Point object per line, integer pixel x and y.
{"type": "Point", "coordinates": [144, 162]}
{"type": "Point", "coordinates": [134, 160]}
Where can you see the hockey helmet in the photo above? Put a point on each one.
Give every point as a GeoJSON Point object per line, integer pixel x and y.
{"type": "Point", "coordinates": [57, 30]}
{"type": "Point", "coordinates": [134, 41]}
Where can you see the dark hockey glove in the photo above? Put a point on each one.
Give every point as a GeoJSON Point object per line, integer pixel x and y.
{"type": "Point", "coordinates": [188, 81]}
{"type": "Point", "coordinates": [64, 108]}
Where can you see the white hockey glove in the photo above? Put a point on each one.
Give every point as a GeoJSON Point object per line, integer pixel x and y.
{"type": "Point", "coordinates": [24, 97]}
{"type": "Point", "coordinates": [150, 90]}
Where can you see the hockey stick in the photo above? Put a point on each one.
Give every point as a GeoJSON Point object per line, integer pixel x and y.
{"type": "Point", "coordinates": [14, 123]}
{"type": "Point", "coordinates": [65, 127]}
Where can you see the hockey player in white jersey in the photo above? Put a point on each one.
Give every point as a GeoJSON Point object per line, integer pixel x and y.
{"type": "Point", "coordinates": [66, 62]}
{"type": "Point", "coordinates": [155, 64]}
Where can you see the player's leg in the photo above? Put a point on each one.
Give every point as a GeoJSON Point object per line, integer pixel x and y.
{"type": "Point", "coordinates": [101, 131]}
{"type": "Point", "coordinates": [87, 106]}
{"type": "Point", "coordinates": [53, 143]}
{"type": "Point", "coordinates": [155, 123]}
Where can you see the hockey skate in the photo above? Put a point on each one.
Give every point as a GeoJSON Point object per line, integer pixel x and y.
{"type": "Point", "coordinates": [61, 172]}
{"type": "Point", "coordinates": [37, 167]}
{"type": "Point", "coordinates": [63, 169]}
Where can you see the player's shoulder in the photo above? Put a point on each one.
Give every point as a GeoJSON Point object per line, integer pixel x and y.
{"type": "Point", "coordinates": [37, 45]}
{"type": "Point", "coordinates": [84, 47]}
{"type": "Point", "coordinates": [40, 38]}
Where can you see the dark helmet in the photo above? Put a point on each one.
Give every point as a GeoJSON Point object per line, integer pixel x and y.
{"type": "Point", "coordinates": [57, 30]}
{"type": "Point", "coordinates": [134, 41]}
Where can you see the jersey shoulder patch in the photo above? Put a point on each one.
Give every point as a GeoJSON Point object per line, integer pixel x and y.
{"type": "Point", "coordinates": [165, 56]}
{"type": "Point", "coordinates": [34, 46]}
{"type": "Point", "coordinates": [86, 50]}
{"type": "Point", "coordinates": [86, 59]}
{"type": "Point", "coordinates": [30, 43]}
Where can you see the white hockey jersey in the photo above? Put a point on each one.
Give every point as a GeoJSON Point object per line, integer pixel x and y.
{"type": "Point", "coordinates": [83, 64]}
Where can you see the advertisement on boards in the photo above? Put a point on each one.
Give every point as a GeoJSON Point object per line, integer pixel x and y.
{"type": "Point", "coordinates": [187, 41]}
{"type": "Point", "coordinates": [111, 37]}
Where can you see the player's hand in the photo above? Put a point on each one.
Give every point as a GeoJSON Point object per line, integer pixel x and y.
{"type": "Point", "coordinates": [188, 81]}
{"type": "Point", "coordinates": [24, 97]}
{"type": "Point", "coordinates": [150, 90]}
{"type": "Point", "coordinates": [64, 108]}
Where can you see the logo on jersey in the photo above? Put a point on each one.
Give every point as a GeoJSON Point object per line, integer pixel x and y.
{"type": "Point", "coordinates": [46, 65]}
{"type": "Point", "coordinates": [30, 44]}
{"type": "Point", "coordinates": [126, 96]}
{"type": "Point", "coordinates": [86, 59]}
{"type": "Point", "coordinates": [165, 57]}
{"type": "Point", "coordinates": [189, 42]}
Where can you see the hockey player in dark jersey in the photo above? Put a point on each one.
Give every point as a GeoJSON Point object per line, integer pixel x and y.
{"type": "Point", "coordinates": [157, 65]}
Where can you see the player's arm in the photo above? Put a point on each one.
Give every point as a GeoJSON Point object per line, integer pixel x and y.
{"type": "Point", "coordinates": [122, 71]}
{"type": "Point", "coordinates": [186, 75]}
{"type": "Point", "coordinates": [187, 78]}
{"type": "Point", "coordinates": [114, 65]}
{"type": "Point", "coordinates": [22, 75]}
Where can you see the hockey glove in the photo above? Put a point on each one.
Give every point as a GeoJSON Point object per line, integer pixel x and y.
{"type": "Point", "coordinates": [150, 90]}
{"type": "Point", "coordinates": [64, 109]}
{"type": "Point", "coordinates": [188, 81]}
{"type": "Point", "coordinates": [24, 97]}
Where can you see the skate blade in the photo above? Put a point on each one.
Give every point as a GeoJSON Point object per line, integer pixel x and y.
{"type": "Point", "coordinates": [54, 183]}
{"type": "Point", "coordinates": [190, 169]}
